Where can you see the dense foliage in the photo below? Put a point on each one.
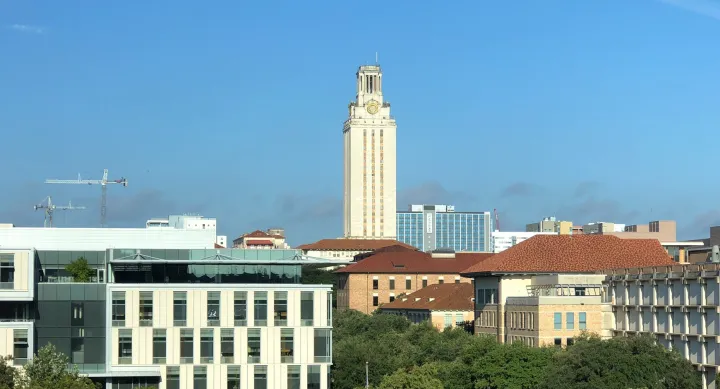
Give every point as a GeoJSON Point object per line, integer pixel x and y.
{"type": "Point", "coordinates": [80, 270]}
{"type": "Point", "coordinates": [314, 275]}
{"type": "Point", "coordinates": [405, 356]}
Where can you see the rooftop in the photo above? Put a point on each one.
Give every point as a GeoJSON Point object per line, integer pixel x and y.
{"type": "Point", "coordinates": [352, 244]}
{"type": "Point", "coordinates": [574, 254]}
{"type": "Point", "coordinates": [413, 261]}
{"type": "Point", "coordinates": [438, 297]}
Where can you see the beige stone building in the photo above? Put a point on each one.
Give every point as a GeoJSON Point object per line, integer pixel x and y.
{"type": "Point", "coordinates": [270, 239]}
{"type": "Point", "coordinates": [551, 224]}
{"type": "Point", "coordinates": [443, 305]}
{"type": "Point", "coordinates": [343, 249]}
{"type": "Point", "coordinates": [543, 290]}
{"type": "Point", "coordinates": [382, 276]}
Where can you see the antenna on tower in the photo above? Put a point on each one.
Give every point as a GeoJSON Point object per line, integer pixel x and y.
{"type": "Point", "coordinates": [376, 58]}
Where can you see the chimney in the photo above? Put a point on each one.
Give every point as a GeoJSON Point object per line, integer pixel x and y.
{"type": "Point", "coordinates": [715, 254]}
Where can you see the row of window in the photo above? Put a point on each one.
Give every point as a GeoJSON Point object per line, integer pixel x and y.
{"type": "Point", "coordinates": [408, 283]}
{"type": "Point", "coordinates": [449, 319]}
{"type": "Point", "coordinates": [240, 309]}
{"type": "Point", "coordinates": [234, 377]}
{"type": "Point", "coordinates": [322, 342]}
{"type": "Point", "coordinates": [521, 320]}
{"type": "Point", "coordinates": [570, 321]}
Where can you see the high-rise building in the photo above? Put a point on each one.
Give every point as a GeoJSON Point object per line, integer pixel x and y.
{"type": "Point", "coordinates": [369, 160]}
{"type": "Point", "coordinates": [430, 227]}
{"type": "Point", "coordinates": [551, 224]}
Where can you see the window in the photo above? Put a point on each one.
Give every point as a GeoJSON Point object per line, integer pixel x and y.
{"type": "Point", "coordinates": [20, 346]}
{"type": "Point", "coordinates": [579, 291]}
{"type": "Point", "coordinates": [159, 346]}
{"type": "Point", "coordinates": [186, 345]}
{"type": "Point", "coordinates": [424, 282]}
{"type": "Point", "coordinates": [78, 317]}
{"type": "Point", "coordinates": [260, 377]}
{"type": "Point", "coordinates": [392, 284]}
{"type": "Point", "coordinates": [582, 320]}
{"type": "Point", "coordinates": [375, 284]}
{"type": "Point", "coordinates": [392, 297]}
{"type": "Point", "coordinates": [558, 320]}
{"type": "Point", "coordinates": [146, 309]}
{"type": "Point", "coordinates": [408, 283]}
{"type": "Point", "coordinates": [7, 271]}
{"type": "Point", "coordinates": [125, 347]}
{"type": "Point", "coordinates": [240, 309]}
{"type": "Point", "coordinates": [233, 377]}
{"type": "Point", "coordinates": [213, 309]}
{"type": "Point", "coordinates": [280, 304]}
{"type": "Point", "coordinates": [207, 336]}
{"type": "Point", "coordinates": [287, 345]}
{"type": "Point", "coordinates": [200, 377]}
{"type": "Point", "coordinates": [180, 309]}
{"type": "Point", "coordinates": [375, 301]}
{"type": "Point", "coordinates": [459, 318]}
{"type": "Point", "coordinates": [253, 339]}
{"type": "Point", "coordinates": [118, 309]}
{"type": "Point", "coordinates": [227, 345]}
{"type": "Point", "coordinates": [323, 345]}
{"type": "Point", "coordinates": [293, 377]}
{"type": "Point", "coordinates": [260, 309]}
{"type": "Point", "coordinates": [558, 342]}
{"type": "Point", "coordinates": [441, 281]}
{"type": "Point", "coordinates": [313, 377]}
{"type": "Point", "coordinates": [306, 309]}
{"type": "Point", "coordinates": [457, 280]}
{"type": "Point", "coordinates": [329, 309]}
{"type": "Point", "coordinates": [570, 321]}
{"type": "Point", "coordinates": [569, 342]}
{"type": "Point", "coordinates": [448, 320]}
{"type": "Point", "coordinates": [486, 296]}
{"type": "Point", "coordinates": [173, 377]}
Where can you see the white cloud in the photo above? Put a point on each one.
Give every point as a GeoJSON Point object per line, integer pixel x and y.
{"type": "Point", "coordinates": [27, 28]}
{"type": "Point", "coordinates": [708, 8]}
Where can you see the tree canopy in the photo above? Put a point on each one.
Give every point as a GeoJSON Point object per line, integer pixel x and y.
{"type": "Point", "coordinates": [401, 355]}
{"type": "Point", "coordinates": [80, 270]}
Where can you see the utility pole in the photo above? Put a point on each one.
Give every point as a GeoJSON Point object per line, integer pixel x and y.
{"type": "Point", "coordinates": [367, 376]}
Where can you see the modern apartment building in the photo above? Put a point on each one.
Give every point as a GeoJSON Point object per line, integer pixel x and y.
{"type": "Point", "coordinates": [502, 241]}
{"type": "Point", "coordinates": [369, 138]}
{"type": "Point", "coordinates": [551, 224]}
{"type": "Point", "coordinates": [430, 227]}
{"type": "Point", "coordinates": [382, 276]}
{"type": "Point", "coordinates": [176, 318]}
{"type": "Point", "coordinates": [679, 305]}
{"type": "Point", "coordinates": [545, 290]}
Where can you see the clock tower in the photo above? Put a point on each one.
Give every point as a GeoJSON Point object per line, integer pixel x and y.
{"type": "Point", "coordinates": [369, 173]}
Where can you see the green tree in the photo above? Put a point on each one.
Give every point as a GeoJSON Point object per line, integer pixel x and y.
{"type": "Point", "coordinates": [423, 377]}
{"type": "Point", "coordinates": [80, 270]}
{"type": "Point", "coordinates": [622, 362]}
{"type": "Point", "coordinates": [7, 373]}
{"type": "Point", "coordinates": [512, 366]}
{"type": "Point", "coordinates": [49, 370]}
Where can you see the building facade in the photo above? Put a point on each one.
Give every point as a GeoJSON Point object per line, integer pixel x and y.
{"type": "Point", "coordinates": [502, 241]}
{"type": "Point", "coordinates": [168, 317]}
{"type": "Point", "coordinates": [271, 239]}
{"type": "Point", "coordinates": [678, 305]}
{"type": "Point", "coordinates": [431, 227]}
{"type": "Point", "coordinates": [551, 224]}
{"type": "Point", "coordinates": [346, 250]}
{"type": "Point", "coordinates": [369, 141]}
{"type": "Point", "coordinates": [442, 305]}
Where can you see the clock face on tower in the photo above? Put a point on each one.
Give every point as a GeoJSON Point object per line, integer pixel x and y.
{"type": "Point", "coordinates": [372, 107]}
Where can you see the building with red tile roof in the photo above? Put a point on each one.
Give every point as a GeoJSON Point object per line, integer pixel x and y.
{"type": "Point", "coordinates": [257, 239]}
{"type": "Point", "coordinates": [444, 305]}
{"type": "Point", "coordinates": [346, 249]}
{"type": "Point", "coordinates": [545, 290]}
{"type": "Point", "coordinates": [378, 278]}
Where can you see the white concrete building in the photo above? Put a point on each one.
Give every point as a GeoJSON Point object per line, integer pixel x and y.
{"type": "Point", "coordinates": [503, 240]}
{"type": "Point", "coordinates": [369, 139]}
{"type": "Point", "coordinates": [679, 305]}
{"type": "Point", "coordinates": [167, 314]}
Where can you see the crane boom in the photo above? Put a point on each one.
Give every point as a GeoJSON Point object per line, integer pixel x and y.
{"type": "Point", "coordinates": [103, 183]}
{"type": "Point", "coordinates": [50, 209]}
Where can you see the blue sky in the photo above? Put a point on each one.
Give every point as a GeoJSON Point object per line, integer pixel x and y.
{"type": "Point", "coordinates": [588, 110]}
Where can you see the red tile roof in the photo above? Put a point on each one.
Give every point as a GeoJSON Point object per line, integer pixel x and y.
{"type": "Point", "coordinates": [217, 246]}
{"type": "Point", "coordinates": [446, 297]}
{"type": "Point", "coordinates": [258, 234]}
{"type": "Point", "coordinates": [351, 244]}
{"type": "Point", "coordinates": [414, 262]}
{"type": "Point", "coordinates": [574, 254]}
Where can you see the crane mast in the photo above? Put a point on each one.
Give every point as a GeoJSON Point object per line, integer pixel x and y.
{"type": "Point", "coordinates": [103, 184]}
{"type": "Point", "coordinates": [50, 209]}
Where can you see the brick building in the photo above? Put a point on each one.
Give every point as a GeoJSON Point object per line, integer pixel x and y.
{"type": "Point", "coordinates": [443, 305]}
{"type": "Point", "coordinates": [544, 290]}
{"type": "Point", "coordinates": [384, 275]}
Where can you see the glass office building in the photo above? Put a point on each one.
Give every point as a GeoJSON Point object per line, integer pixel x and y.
{"type": "Point", "coordinates": [430, 227]}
